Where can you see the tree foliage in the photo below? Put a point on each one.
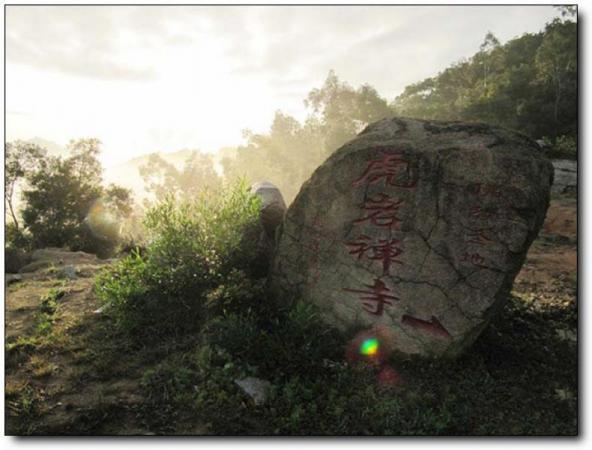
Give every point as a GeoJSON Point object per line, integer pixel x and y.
{"type": "Point", "coordinates": [163, 178]}
{"type": "Point", "coordinates": [20, 158]}
{"type": "Point", "coordinates": [528, 84]}
{"type": "Point", "coordinates": [67, 206]}
{"type": "Point", "coordinates": [345, 111]}
{"type": "Point", "coordinates": [290, 151]}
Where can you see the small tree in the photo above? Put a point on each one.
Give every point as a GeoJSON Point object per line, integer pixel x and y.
{"type": "Point", "coordinates": [66, 204]}
{"type": "Point", "coordinates": [21, 158]}
{"type": "Point", "coordinates": [345, 111]}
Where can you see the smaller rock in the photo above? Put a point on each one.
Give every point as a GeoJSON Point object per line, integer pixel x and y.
{"type": "Point", "coordinates": [255, 388]}
{"type": "Point", "coordinates": [12, 278]}
{"type": "Point", "coordinates": [272, 213]}
{"type": "Point", "coordinates": [566, 176]}
{"type": "Point", "coordinates": [35, 266]}
{"type": "Point", "coordinates": [101, 310]}
{"type": "Point", "coordinates": [69, 272]}
{"type": "Point", "coordinates": [273, 206]}
{"type": "Point", "coordinates": [543, 145]}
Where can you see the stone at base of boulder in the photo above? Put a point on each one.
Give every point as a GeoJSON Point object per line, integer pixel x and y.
{"type": "Point", "coordinates": [255, 388]}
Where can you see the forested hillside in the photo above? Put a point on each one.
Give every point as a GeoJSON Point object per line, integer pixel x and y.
{"type": "Point", "coordinates": [528, 84]}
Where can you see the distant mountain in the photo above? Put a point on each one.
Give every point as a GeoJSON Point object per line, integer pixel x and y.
{"type": "Point", "coordinates": [53, 149]}
{"type": "Point", "coordinates": [127, 174]}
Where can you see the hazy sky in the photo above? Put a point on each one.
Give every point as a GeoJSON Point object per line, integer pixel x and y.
{"type": "Point", "coordinates": [155, 78]}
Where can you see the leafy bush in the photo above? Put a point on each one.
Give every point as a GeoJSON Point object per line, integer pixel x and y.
{"type": "Point", "coordinates": [279, 342]}
{"type": "Point", "coordinates": [64, 201]}
{"type": "Point", "coordinates": [194, 247]}
{"type": "Point", "coordinates": [15, 258]}
{"type": "Point", "coordinates": [237, 292]}
{"type": "Point", "coordinates": [16, 238]}
{"type": "Point", "coordinates": [564, 147]}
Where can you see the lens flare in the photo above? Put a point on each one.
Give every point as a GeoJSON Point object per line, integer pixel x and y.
{"type": "Point", "coordinates": [103, 221]}
{"type": "Point", "coordinates": [369, 347]}
{"type": "Point", "coordinates": [389, 378]}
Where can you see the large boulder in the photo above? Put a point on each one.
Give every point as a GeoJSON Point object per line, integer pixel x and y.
{"type": "Point", "coordinates": [57, 257]}
{"type": "Point", "coordinates": [418, 226]}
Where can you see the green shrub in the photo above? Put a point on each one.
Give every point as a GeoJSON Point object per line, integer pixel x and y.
{"type": "Point", "coordinates": [564, 147]}
{"type": "Point", "coordinates": [16, 238]}
{"type": "Point", "coordinates": [237, 292]}
{"type": "Point", "coordinates": [164, 383]}
{"type": "Point", "coordinates": [124, 289]}
{"type": "Point", "coordinates": [278, 343]}
{"type": "Point", "coordinates": [195, 248]}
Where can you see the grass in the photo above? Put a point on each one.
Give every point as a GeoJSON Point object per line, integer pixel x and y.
{"type": "Point", "coordinates": [507, 384]}
{"type": "Point", "coordinates": [22, 401]}
{"type": "Point", "coordinates": [40, 367]}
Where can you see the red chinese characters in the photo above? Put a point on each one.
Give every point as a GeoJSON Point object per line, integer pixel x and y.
{"type": "Point", "coordinates": [478, 237]}
{"type": "Point", "coordinates": [376, 297]}
{"type": "Point", "coordinates": [474, 258]}
{"type": "Point", "coordinates": [381, 211]}
{"type": "Point", "coordinates": [478, 212]}
{"type": "Point", "coordinates": [488, 190]}
{"type": "Point", "coordinates": [433, 326]}
{"type": "Point", "coordinates": [383, 250]}
{"type": "Point", "coordinates": [392, 168]}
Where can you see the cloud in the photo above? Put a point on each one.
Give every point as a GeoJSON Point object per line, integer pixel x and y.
{"type": "Point", "coordinates": [15, 112]}
{"type": "Point", "coordinates": [84, 41]}
{"type": "Point", "coordinates": [388, 47]}
{"type": "Point", "coordinates": [97, 63]}
{"type": "Point", "coordinates": [199, 74]}
{"type": "Point", "coordinates": [367, 43]}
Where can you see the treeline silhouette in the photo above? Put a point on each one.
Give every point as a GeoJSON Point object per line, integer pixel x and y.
{"type": "Point", "coordinates": [528, 84]}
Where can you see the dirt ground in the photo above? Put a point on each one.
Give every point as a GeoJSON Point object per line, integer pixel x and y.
{"type": "Point", "coordinates": [66, 372]}
{"type": "Point", "coordinates": [554, 254]}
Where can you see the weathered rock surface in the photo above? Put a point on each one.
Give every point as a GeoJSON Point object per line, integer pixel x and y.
{"type": "Point", "coordinates": [419, 226]}
{"type": "Point", "coordinates": [68, 272]}
{"type": "Point", "coordinates": [62, 256]}
{"type": "Point", "coordinates": [566, 177]}
{"type": "Point", "coordinates": [12, 278]}
{"type": "Point", "coordinates": [59, 258]}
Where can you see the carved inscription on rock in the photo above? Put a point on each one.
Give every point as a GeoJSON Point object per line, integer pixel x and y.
{"type": "Point", "coordinates": [414, 226]}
